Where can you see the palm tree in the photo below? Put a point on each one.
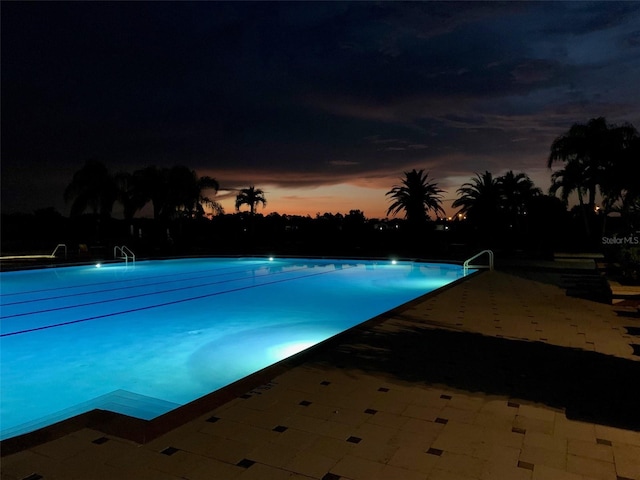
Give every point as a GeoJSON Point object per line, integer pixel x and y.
{"type": "Point", "coordinates": [186, 192]}
{"type": "Point", "coordinates": [182, 192]}
{"type": "Point", "coordinates": [480, 199]}
{"type": "Point", "coordinates": [128, 194]}
{"type": "Point", "coordinates": [250, 196]}
{"type": "Point", "coordinates": [630, 202]}
{"type": "Point", "coordinates": [92, 187]}
{"type": "Point", "coordinates": [587, 147]}
{"type": "Point", "coordinates": [597, 155]}
{"type": "Point", "coordinates": [150, 183]}
{"type": "Point", "coordinates": [208, 183]}
{"type": "Point", "coordinates": [516, 194]}
{"type": "Point", "coordinates": [619, 185]}
{"type": "Point", "coordinates": [417, 196]}
{"type": "Point", "coordinates": [568, 180]}
{"type": "Point", "coordinates": [516, 190]}
{"type": "Point", "coordinates": [176, 191]}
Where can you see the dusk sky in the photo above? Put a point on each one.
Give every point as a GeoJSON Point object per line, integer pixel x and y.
{"type": "Point", "coordinates": [321, 105]}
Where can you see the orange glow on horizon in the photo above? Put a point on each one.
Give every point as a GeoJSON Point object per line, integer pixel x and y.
{"type": "Point", "coordinates": [333, 199]}
{"type": "Point", "coordinates": [364, 193]}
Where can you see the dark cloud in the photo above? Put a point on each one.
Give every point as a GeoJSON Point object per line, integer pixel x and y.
{"type": "Point", "coordinates": [583, 18]}
{"type": "Point", "coordinates": [295, 94]}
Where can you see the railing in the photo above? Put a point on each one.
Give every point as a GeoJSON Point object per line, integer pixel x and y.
{"type": "Point", "coordinates": [466, 265]}
{"type": "Point", "coordinates": [55, 250]}
{"type": "Point", "coordinates": [37, 256]}
{"type": "Point", "coordinates": [125, 254]}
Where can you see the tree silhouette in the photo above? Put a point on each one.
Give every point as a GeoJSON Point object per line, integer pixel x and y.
{"type": "Point", "coordinates": [128, 194]}
{"type": "Point", "coordinates": [630, 205]}
{"type": "Point", "coordinates": [185, 193]}
{"type": "Point", "coordinates": [176, 191]}
{"type": "Point", "coordinates": [568, 180]}
{"type": "Point", "coordinates": [480, 199]}
{"type": "Point", "coordinates": [416, 196]}
{"type": "Point", "coordinates": [516, 193]}
{"type": "Point", "coordinates": [208, 183]}
{"type": "Point", "coordinates": [92, 187]}
{"type": "Point", "coordinates": [619, 183]}
{"type": "Point", "coordinates": [251, 197]}
{"type": "Point", "coordinates": [585, 147]}
{"type": "Point", "coordinates": [150, 183]}
{"type": "Point", "coordinates": [595, 155]}
{"type": "Point", "coordinates": [497, 205]}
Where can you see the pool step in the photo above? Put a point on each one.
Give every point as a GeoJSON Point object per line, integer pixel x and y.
{"type": "Point", "coordinates": [133, 404]}
{"type": "Point", "coordinates": [119, 401]}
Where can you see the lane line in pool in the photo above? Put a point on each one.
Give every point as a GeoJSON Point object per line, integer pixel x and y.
{"type": "Point", "coordinates": [149, 307]}
{"type": "Point", "coordinates": [120, 281]}
{"type": "Point", "coordinates": [93, 292]}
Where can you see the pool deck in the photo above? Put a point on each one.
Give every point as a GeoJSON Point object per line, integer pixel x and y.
{"type": "Point", "coordinates": [502, 376]}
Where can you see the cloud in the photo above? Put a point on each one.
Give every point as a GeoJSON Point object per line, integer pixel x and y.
{"type": "Point", "coordinates": [535, 71]}
{"type": "Point", "coordinates": [343, 163]}
{"type": "Point", "coordinates": [305, 95]}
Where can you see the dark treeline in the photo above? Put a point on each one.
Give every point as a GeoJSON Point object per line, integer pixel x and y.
{"type": "Point", "coordinates": [599, 164]}
{"type": "Point", "coordinates": [547, 227]}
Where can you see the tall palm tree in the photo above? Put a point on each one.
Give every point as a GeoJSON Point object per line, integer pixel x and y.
{"type": "Point", "coordinates": [92, 187]}
{"type": "Point", "coordinates": [619, 183]}
{"type": "Point", "coordinates": [516, 193]}
{"type": "Point", "coordinates": [598, 156]}
{"type": "Point", "coordinates": [630, 202]}
{"type": "Point", "coordinates": [589, 148]}
{"type": "Point", "coordinates": [480, 199]}
{"type": "Point", "coordinates": [516, 190]}
{"type": "Point", "coordinates": [151, 184]}
{"type": "Point", "coordinates": [185, 192]}
{"type": "Point", "coordinates": [251, 197]}
{"type": "Point", "coordinates": [211, 184]}
{"type": "Point", "coordinates": [129, 195]}
{"type": "Point", "coordinates": [569, 180]}
{"type": "Point", "coordinates": [176, 191]}
{"type": "Point", "coordinates": [182, 191]}
{"type": "Point", "coordinates": [416, 196]}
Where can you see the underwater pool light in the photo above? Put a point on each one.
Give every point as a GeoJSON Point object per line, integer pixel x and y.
{"type": "Point", "coordinates": [287, 349]}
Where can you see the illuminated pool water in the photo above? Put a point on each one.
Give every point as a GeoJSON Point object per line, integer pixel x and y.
{"type": "Point", "coordinates": [144, 339]}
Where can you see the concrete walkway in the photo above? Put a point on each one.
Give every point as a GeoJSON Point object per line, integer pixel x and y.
{"type": "Point", "coordinates": [501, 377]}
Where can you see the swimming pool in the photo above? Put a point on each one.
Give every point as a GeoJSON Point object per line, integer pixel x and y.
{"type": "Point", "coordinates": [147, 338]}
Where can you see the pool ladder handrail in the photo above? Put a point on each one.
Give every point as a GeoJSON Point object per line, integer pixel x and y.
{"type": "Point", "coordinates": [55, 250]}
{"type": "Point", "coordinates": [466, 265]}
{"type": "Point", "coordinates": [125, 253]}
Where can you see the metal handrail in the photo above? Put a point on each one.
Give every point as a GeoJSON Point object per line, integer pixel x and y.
{"type": "Point", "coordinates": [466, 265]}
{"type": "Point", "coordinates": [125, 253]}
{"type": "Point", "coordinates": [55, 250]}
{"type": "Point", "coordinates": [128, 251]}
{"type": "Point", "coordinates": [37, 256]}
